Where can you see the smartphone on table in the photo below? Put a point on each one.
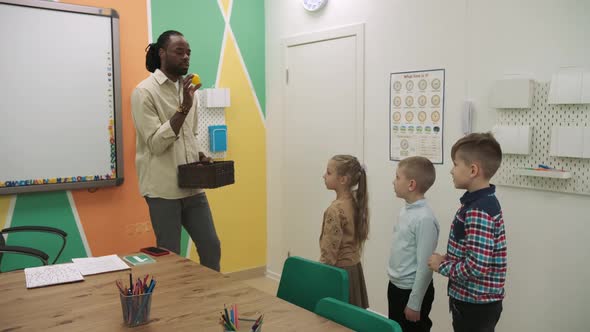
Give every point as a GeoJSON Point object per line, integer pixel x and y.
{"type": "Point", "coordinates": [154, 251]}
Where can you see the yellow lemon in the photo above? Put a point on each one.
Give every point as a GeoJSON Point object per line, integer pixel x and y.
{"type": "Point", "coordinates": [196, 79]}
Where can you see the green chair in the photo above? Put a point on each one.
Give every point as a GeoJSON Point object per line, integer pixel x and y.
{"type": "Point", "coordinates": [305, 282]}
{"type": "Point", "coordinates": [27, 251]}
{"type": "Point", "coordinates": [355, 318]}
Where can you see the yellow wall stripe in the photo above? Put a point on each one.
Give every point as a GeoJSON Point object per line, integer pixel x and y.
{"type": "Point", "coordinates": [241, 206]}
{"type": "Point", "coordinates": [226, 6]}
{"type": "Point", "coordinates": [5, 203]}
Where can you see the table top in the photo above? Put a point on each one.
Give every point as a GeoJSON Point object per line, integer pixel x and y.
{"type": "Point", "coordinates": [188, 297]}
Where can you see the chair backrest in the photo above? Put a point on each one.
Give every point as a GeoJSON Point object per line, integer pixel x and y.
{"type": "Point", "coordinates": [14, 248]}
{"type": "Point", "coordinates": [305, 282]}
{"type": "Point", "coordinates": [355, 318]}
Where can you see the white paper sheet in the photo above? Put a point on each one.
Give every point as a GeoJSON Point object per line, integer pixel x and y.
{"type": "Point", "coordinates": [96, 265]}
{"type": "Point", "coordinates": [52, 275]}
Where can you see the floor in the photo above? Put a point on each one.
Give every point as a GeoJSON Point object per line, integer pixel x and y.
{"type": "Point", "coordinates": [264, 284]}
{"type": "Point", "coordinates": [257, 280]}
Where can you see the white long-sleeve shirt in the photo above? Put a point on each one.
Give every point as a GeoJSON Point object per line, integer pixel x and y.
{"type": "Point", "coordinates": [415, 237]}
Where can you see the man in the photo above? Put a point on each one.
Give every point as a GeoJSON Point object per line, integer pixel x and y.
{"type": "Point", "coordinates": [164, 114]}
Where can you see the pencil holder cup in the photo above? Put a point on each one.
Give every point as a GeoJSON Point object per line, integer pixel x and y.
{"type": "Point", "coordinates": [136, 308]}
{"type": "Point", "coordinates": [245, 325]}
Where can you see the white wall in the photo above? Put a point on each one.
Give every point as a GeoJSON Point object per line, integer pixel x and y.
{"type": "Point", "coordinates": [547, 232]}
{"type": "Point", "coordinates": [476, 42]}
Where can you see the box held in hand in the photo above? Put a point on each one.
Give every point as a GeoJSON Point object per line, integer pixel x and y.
{"type": "Point", "coordinates": [206, 175]}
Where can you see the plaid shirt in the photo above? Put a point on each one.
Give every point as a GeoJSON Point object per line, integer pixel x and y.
{"type": "Point", "coordinates": [476, 252]}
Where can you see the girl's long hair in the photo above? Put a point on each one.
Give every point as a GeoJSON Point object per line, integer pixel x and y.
{"type": "Point", "coordinates": [347, 165]}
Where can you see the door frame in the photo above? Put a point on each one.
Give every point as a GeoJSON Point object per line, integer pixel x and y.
{"type": "Point", "coordinates": [353, 30]}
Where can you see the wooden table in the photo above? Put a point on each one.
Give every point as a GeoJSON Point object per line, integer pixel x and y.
{"type": "Point", "coordinates": [188, 297]}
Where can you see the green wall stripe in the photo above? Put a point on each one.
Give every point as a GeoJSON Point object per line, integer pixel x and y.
{"type": "Point", "coordinates": [43, 209]}
{"type": "Point", "coordinates": [202, 24]}
{"type": "Point", "coordinates": [247, 22]}
{"type": "Point", "coordinates": [184, 238]}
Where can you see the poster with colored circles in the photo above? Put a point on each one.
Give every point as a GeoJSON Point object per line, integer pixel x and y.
{"type": "Point", "coordinates": [416, 109]}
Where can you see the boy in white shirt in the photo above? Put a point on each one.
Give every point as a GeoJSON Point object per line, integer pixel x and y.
{"type": "Point", "coordinates": [410, 291]}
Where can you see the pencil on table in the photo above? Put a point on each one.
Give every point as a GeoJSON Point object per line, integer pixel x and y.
{"type": "Point", "coordinates": [237, 316]}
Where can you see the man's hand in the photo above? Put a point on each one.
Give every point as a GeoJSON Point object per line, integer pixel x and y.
{"type": "Point", "coordinates": [188, 91]}
{"type": "Point", "coordinates": [204, 159]}
{"type": "Point", "coordinates": [434, 261]}
{"type": "Point", "coordinates": [411, 315]}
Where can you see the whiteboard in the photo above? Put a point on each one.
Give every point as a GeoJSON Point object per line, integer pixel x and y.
{"type": "Point", "coordinates": [59, 97]}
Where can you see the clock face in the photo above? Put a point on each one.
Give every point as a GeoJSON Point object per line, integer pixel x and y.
{"type": "Point", "coordinates": [422, 116]}
{"type": "Point", "coordinates": [422, 100]}
{"type": "Point", "coordinates": [422, 84]}
{"type": "Point", "coordinates": [404, 144]}
{"type": "Point", "coordinates": [435, 116]}
{"type": "Point", "coordinates": [436, 84]}
{"type": "Point", "coordinates": [313, 5]}
{"type": "Point", "coordinates": [435, 100]}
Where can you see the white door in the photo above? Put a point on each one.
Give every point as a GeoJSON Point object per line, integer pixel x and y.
{"type": "Point", "coordinates": [324, 104]}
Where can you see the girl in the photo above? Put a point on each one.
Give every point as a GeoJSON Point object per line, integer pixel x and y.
{"type": "Point", "coordinates": [346, 223]}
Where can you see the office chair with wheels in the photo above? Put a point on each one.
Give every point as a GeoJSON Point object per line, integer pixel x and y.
{"type": "Point", "coordinates": [355, 318]}
{"type": "Point", "coordinates": [28, 251]}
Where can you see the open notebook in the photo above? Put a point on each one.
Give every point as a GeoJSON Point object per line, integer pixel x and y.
{"type": "Point", "coordinates": [52, 275]}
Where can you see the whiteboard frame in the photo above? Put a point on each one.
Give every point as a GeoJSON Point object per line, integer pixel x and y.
{"type": "Point", "coordinates": [118, 179]}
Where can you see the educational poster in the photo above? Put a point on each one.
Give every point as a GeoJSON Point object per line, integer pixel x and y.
{"type": "Point", "coordinates": [416, 109]}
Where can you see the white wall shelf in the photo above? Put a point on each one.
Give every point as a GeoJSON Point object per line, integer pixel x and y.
{"type": "Point", "coordinates": [543, 174]}
{"type": "Point", "coordinates": [208, 117]}
{"type": "Point", "coordinates": [570, 86]}
{"type": "Point", "coordinates": [542, 116]}
{"type": "Point", "coordinates": [514, 93]}
{"type": "Point", "coordinates": [514, 139]}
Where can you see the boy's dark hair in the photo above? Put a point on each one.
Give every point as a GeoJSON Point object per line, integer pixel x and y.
{"type": "Point", "coordinates": [152, 58]}
{"type": "Point", "coordinates": [419, 169]}
{"type": "Point", "coordinates": [479, 148]}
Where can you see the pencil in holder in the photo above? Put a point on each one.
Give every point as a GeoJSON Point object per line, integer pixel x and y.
{"type": "Point", "coordinates": [245, 325]}
{"type": "Point", "coordinates": [136, 308]}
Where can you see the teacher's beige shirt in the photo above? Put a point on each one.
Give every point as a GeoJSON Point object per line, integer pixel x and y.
{"type": "Point", "coordinates": [158, 150]}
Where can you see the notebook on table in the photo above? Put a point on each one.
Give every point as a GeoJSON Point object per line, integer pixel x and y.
{"type": "Point", "coordinates": [95, 265]}
{"type": "Point", "coordinates": [52, 275]}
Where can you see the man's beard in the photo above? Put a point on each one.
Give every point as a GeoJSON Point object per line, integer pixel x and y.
{"type": "Point", "coordinates": [179, 71]}
{"type": "Point", "coordinates": [176, 69]}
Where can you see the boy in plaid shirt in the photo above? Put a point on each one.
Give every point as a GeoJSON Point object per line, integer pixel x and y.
{"type": "Point", "coordinates": [475, 262]}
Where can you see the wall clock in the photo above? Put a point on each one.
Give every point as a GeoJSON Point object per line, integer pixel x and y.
{"type": "Point", "coordinates": [314, 5]}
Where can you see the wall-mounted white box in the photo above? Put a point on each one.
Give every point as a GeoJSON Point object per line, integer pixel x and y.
{"type": "Point", "coordinates": [512, 93]}
{"type": "Point", "coordinates": [514, 139]}
{"type": "Point", "coordinates": [570, 86]}
{"type": "Point", "coordinates": [215, 98]}
{"type": "Point", "coordinates": [573, 142]}
{"type": "Point", "coordinates": [586, 88]}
